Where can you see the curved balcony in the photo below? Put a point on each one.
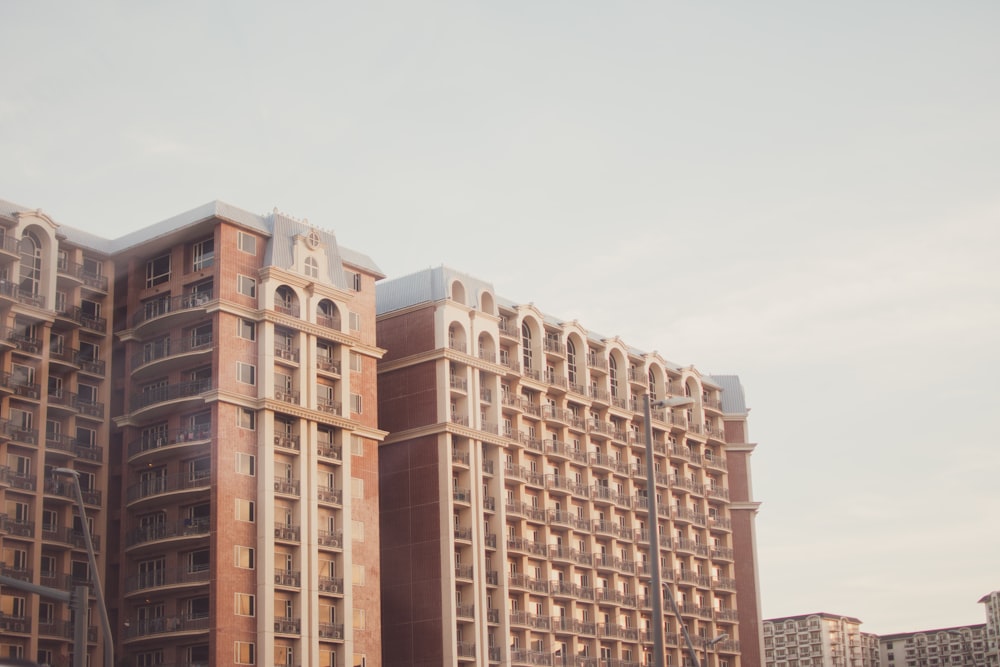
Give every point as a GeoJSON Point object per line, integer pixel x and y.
{"type": "Point", "coordinates": [167, 399]}
{"type": "Point", "coordinates": [142, 583]}
{"type": "Point", "coordinates": [173, 484]}
{"type": "Point", "coordinates": [188, 529]}
{"type": "Point", "coordinates": [163, 356]}
{"type": "Point", "coordinates": [183, 625]}
{"type": "Point", "coordinates": [165, 446]}
{"type": "Point", "coordinates": [173, 311]}
{"type": "Point", "coordinates": [68, 536]}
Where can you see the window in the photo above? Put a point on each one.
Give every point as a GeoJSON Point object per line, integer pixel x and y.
{"type": "Point", "coordinates": [246, 373]}
{"type": "Point", "coordinates": [356, 281]}
{"type": "Point", "coordinates": [202, 254]}
{"type": "Point", "coordinates": [244, 510]}
{"type": "Point", "coordinates": [246, 464]}
{"type": "Point", "coordinates": [355, 321]}
{"type": "Point", "coordinates": [247, 243]}
{"type": "Point", "coordinates": [245, 604]}
{"type": "Point", "coordinates": [246, 286]}
{"type": "Point", "coordinates": [31, 264]}
{"type": "Point", "coordinates": [246, 329]}
{"type": "Point", "coordinates": [158, 270]}
{"type": "Point", "coordinates": [311, 267]}
{"type": "Point", "coordinates": [357, 488]}
{"type": "Point", "coordinates": [244, 653]}
{"type": "Point", "coordinates": [246, 418]}
{"type": "Point", "coordinates": [357, 446]}
{"type": "Point", "coordinates": [244, 557]}
{"type": "Point", "coordinates": [526, 346]}
{"type": "Point", "coordinates": [356, 403]}
{"type": "Point", "coordinates": [355, 362]}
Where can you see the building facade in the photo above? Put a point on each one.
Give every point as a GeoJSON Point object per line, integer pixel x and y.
{"type": "Point", "coordinates": [55, 388]}
{"type": "Point", "coordinates": [992, 609]}
{"type": "Point", "coordinates": [818, 640]}
{"type": "Point", "coordinates": [964, 645]}
{"type": "Point", "coordinates": [236, 503]}
{"type": "Point", "coordinates": [513, 488]}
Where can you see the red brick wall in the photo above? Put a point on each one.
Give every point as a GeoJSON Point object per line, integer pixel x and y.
{"type": "Point", "coordinates": [412, 623]}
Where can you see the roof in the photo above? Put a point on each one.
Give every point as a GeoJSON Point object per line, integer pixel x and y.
{"type": "Point", "coordinates": [803, 617]}
{"type": "Point", "coordinates": [733, 399]}
{"type": "Point", "coordinates": [286, 226]}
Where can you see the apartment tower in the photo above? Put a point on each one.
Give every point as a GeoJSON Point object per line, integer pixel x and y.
{"type": "Point", "coordinates": [513, 488]}
{"type": "Point", "coordinates": [818, 640]}
{"type": "Point", "coordinates": [55, 386]}
{"type": "Point", "coordinates": [236, 504]}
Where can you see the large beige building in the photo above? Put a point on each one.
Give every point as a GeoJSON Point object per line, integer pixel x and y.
{"type": "Point", "coordinates": [234, 504]}
{"type": "Point", "coordinates": [818, 640]}
{"type": "Point", "coordinates": [513, 489]}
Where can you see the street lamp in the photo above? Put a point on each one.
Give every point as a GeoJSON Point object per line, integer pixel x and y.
{"type": "Point", "coordinates": [711, 645]}
{"type": "Point", "coordinates": [109, 644]}
{"type": "Point", "coordinates": [654, 530]}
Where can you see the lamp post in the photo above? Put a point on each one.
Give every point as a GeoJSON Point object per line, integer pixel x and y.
{"type": "Point", "coordinates": [109, 644]}
{"type": "Point", "coordinates": [711, 645]}
{"type": "Point", "coordinates": [654, 531]}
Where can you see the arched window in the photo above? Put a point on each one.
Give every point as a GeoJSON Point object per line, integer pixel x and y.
{"type": "Point", "coordinates": [31, 264]}
{"type": "Point", "coordinates": [613, 372]}
{"type": "Point", "coordinates": [285, 301]}
{"type": "Point", "coordinates": [327, 314]}
{"type": "Point", "coordinates": [651, 380]}
{"type": "Point", "coordinates": [526, 346]}
{"type": "Point", "coordinates": [571, 361]}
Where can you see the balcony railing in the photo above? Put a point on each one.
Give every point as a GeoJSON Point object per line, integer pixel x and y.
{"type": "Point", "coordinates": [165, 305]}
{"type": "Point", "coordinates": [160, 579]}
{"type": "Point", "coordinates": [161, 394]}
{"type": "Point", "coordinates": [167, 484]}
{"type": "Point", "coordinates": [170, 347]}
{"type": "Point", "coordinates": [170, 624]}
{"type": "Point", "coordinates": [164, 531]}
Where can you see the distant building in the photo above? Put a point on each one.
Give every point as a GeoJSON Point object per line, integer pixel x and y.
{"type": "Point", "coordinates": [818, 640]}
{"type": "Point", "coordinates": [992, 602]}
{"type": "Point", "coordinates": [514, 503]}
{"type": "Point", "coordinates": [961, 645]}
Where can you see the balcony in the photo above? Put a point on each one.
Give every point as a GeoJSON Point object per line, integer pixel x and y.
{"type": "Point", "coordinates": [166, 355]}
{"type": "Point", "coordinates": [94, 281]}
{"type": "Point", "coordinates": [329, 450]}
{"type": "Point", "coordinates": [77, 315]}
{"type": "Point", "coordinates": [329, 495]}
{"type": "Point", "coordinates": [181, 625]}
{"type": "Point", "coordinates": [169, 397]}
{"type": "Point", "coordinates": [184, 307]}
{"type": "Point", "coordinates": [329, 406]}
{"type": "Point", "coordinates": [327, 365]}
{"type": "Point", "coordinates": [288, 578]}
{"type": "Point", "coordinates": [186, 529]}
{"type": "Point", "coordinates": [330, 539]}
{"type": "Point", "coordinates": [286, 487]}
{"type": "Point", "coordinates": [283, 352]}
{"type": "Point", "coordinates": [64, 535]}
{"type": "Point", "coordinates": [13, 291]}
{"type": "Point", "coordinates": [162, 579]}
{"type": "Point", "coordinates": [287, 441]}
{"type": "Point", "coordinates": [334, 631]}
{"type": "Point", "coordinates": [332, 585]}
{"type": "Point", "coordinates": [165, 444]}
{"type": "Point", "coordinates": [287, 532]}
{"type": "Point", "coordinates": [167, 484]}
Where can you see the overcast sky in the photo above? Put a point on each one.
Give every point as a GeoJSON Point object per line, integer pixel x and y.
{"type": "Point", "coordinates": [801, 193]}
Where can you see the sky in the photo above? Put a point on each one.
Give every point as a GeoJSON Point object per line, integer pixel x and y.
{"type": "Point", "coordinates": [801, 193]}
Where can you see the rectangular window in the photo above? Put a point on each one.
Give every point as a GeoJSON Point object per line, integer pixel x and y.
{"type": "Point", "coordinates": [203, 254]}
{"type": "Point", "coordinates": [356, 403]}
{"type": "Point", "coordinates": [357, 446]}
{"type": "Point", "coordinates": [247, 243]}
{"type": "Point", "coordinates": [246, 373]}
{"type": "Point", "coordinates": [245, 557]}
{"type": "Point", "coordinates": [356, 281]}
{"type": "Point", "coordinates": [246, 464]}
{"type": "Point", "coordinates": [247, 329]}
{"type": "Point", "coordinates": [246, 418]}
{"type": "Point", "coordinates": [158, 270]}
{"type": "Point", "coordinates": [244, 653]}
{"type": "Point", "coordinates": [355, 321]}
{"type": "Point", "coordinates": [355, 362]}
{"type": "Point", "coordinates": [246, 286]}
{"type": "Point", "coordinates": [244, 510]}
{"type": "Point", "coordinates": [244, 604]}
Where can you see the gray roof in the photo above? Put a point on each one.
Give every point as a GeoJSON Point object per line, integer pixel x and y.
{"type": "Point", "coordinates": [281, 228]}
{"type": "Point", "coordinates": [426, 286]}
{"type": "Point", "coordinates": [733, 399]}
